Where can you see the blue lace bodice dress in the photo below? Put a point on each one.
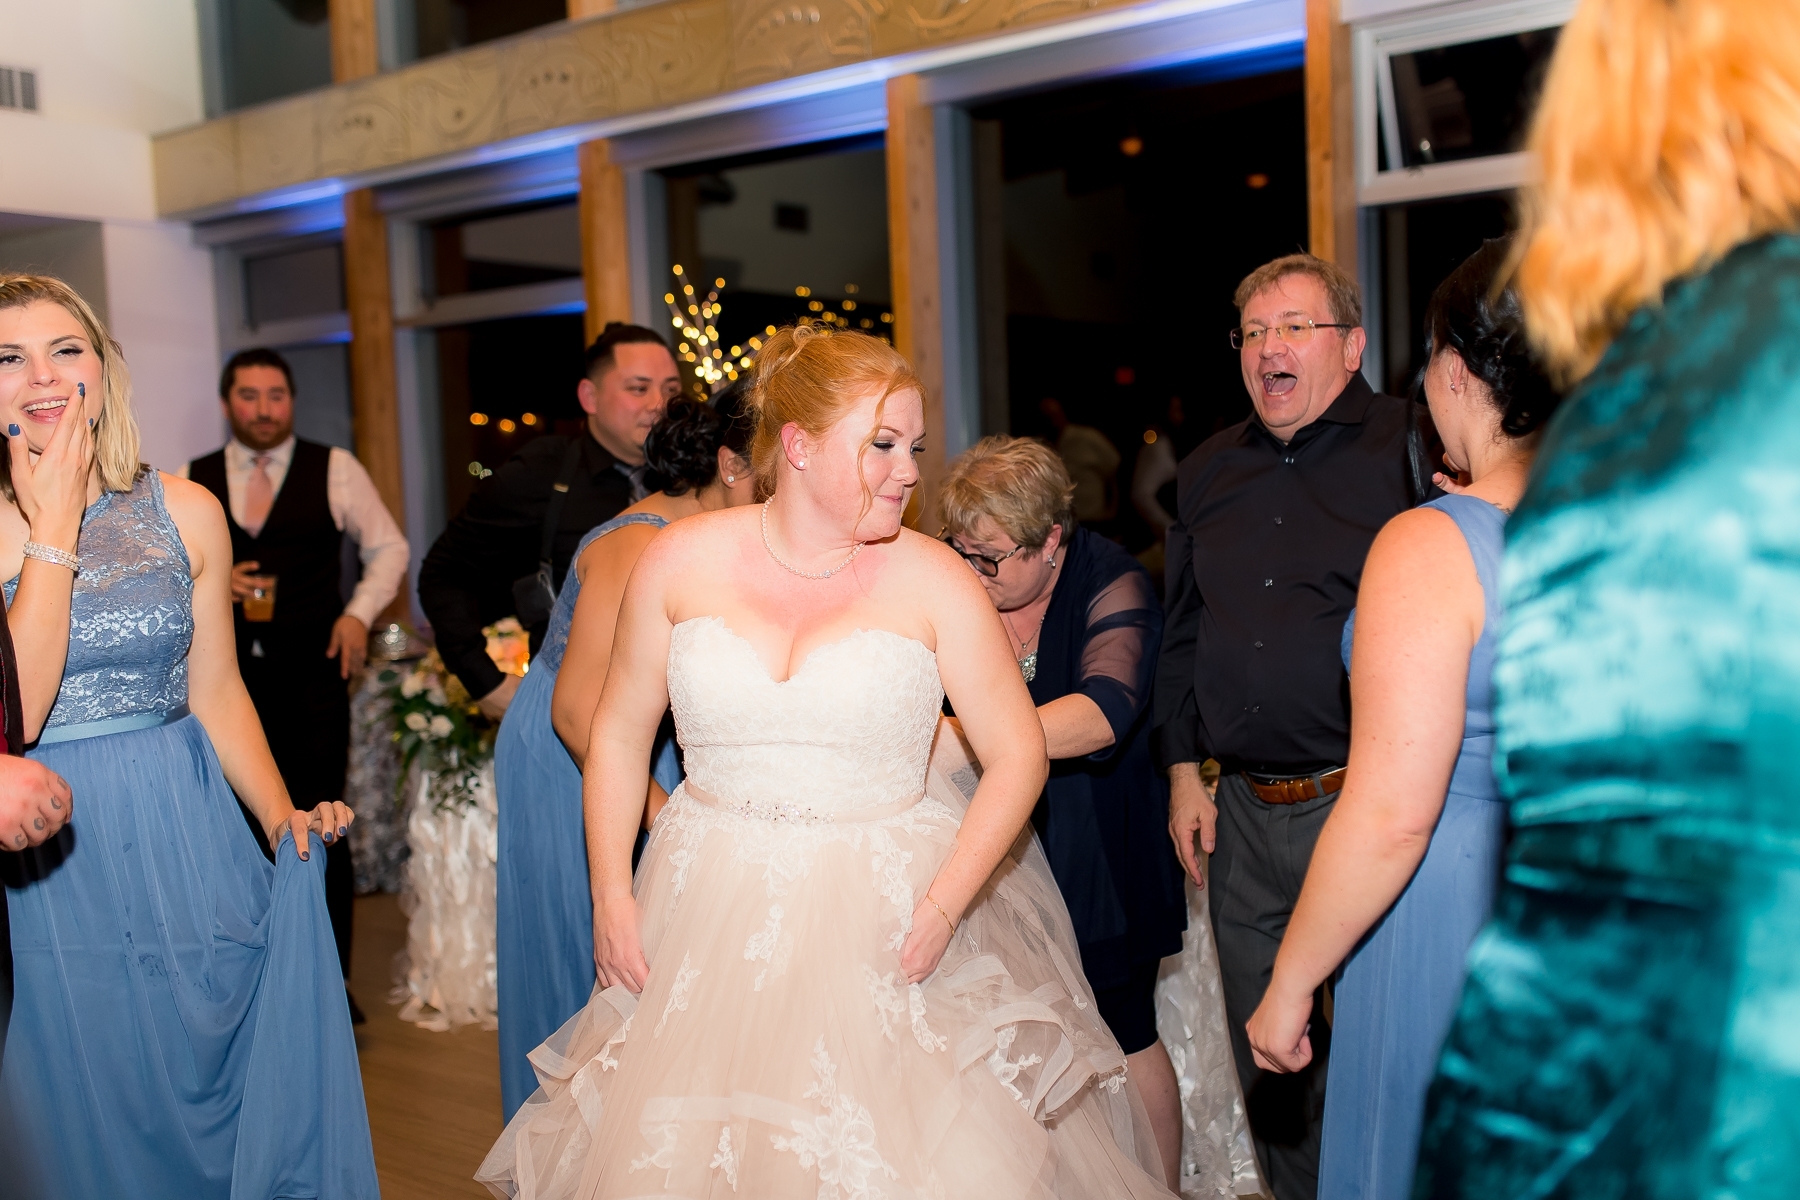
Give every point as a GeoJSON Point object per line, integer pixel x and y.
{"type": "Point", "coordinates": [1631, 1022]}
{"type": "Point", "coordinates": [179, 1029]}
{"type": "Point", "coordinates": [1398, 992]}
{"type": "Point", "coordinates": [545, 912]}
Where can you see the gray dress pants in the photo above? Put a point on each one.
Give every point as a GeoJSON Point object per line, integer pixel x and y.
{"type": "Point", "coordinates": [1257, 868]}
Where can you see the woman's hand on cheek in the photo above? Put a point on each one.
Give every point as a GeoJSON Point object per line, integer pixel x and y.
{"type": "Point", "coordinates": [52, 492]}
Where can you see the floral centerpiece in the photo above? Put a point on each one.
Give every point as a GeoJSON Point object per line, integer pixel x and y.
{"type": "Point", "coordinates": [437, 723]}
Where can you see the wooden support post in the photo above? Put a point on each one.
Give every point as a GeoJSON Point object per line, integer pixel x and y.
{"type": "Point", "coordinates": [915, 276]}
{"type": "Point", "coordinates": [605, 240]}
{"type": "Point", "coordinates": [355, 40]}
{"type": "Point", "coordinates": [375, 409]}
{"type": "Point", "coordinates": [590, 8]}
{"type": "Point", "coordinates": [1330, 136]}
{"type": "Point", "coordinates": [368, 294]}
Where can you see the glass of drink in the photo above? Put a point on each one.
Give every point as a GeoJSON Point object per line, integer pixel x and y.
{"type": "Point", "coordinates": [259, 605]}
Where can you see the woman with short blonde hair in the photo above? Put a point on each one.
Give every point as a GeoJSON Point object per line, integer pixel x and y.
{"type": "Point", "coordinates": [1628, 1026]}
{"type": "Point", "coordinates": [1086, 627]}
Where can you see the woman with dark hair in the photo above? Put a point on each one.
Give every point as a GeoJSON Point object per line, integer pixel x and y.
{"type": "Point", "coordinates": [1411, 855]}
{"type": "Point", "coordinates": [697, 456]}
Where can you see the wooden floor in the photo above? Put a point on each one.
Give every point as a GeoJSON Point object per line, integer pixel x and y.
{"type": "Point", "coordinates": [434, 1098]}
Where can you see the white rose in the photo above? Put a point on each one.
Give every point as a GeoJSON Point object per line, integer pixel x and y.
{"type": "Point", "coordinates": [436, 696]}
{"type": "Point", "coordinates": [440, 726]}
{"type": "Point", "coordinates": [412, 685]}
{"type": "Point", "coordinates": [416, 722]}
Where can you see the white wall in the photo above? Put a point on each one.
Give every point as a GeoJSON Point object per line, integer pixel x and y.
{"type": "Point", "coordinates": [159, 290]}
{"type": "Point", "coordinates": [110, 73]}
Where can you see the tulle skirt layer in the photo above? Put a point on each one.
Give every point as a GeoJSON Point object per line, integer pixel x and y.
{"type": "Point", "coordinates": [179, 1028]}
{"type": "Point", "coordinates": [778, 1051]}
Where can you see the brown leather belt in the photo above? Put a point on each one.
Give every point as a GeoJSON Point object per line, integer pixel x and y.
{"type": "Point", "coordinates": [1294, 791]}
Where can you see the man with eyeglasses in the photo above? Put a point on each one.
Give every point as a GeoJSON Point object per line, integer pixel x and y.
{"type": "Point", "coordinates": [1274, 517]}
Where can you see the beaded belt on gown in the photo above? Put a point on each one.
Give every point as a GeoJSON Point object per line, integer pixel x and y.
{"type": "Point", "coordinates": [798, 813]}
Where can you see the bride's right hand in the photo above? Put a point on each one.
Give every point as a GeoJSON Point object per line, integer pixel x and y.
{"type": "Point", "coordinates": [619, 945]}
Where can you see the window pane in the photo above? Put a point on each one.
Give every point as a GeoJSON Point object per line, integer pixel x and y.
{"type": "Point", "coordinates": [294, 283]}
{"type": "Point", "coordinates": [272, 48]}
{"type": "Point", "coordinates": [796, 237]}
{"type": "Point", "coordinates": [1469, 100]}
{"type": "Point", "coordinates": [476, 254]}
{"type": "Point", "coordinates": [431, 27]}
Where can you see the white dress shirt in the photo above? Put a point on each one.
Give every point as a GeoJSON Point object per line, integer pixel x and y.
{"type": "Point", "coordinates": [356, 509]}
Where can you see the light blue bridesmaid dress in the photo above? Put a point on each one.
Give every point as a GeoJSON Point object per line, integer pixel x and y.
{"type": "Point", "coordinates": [545, 934]}
{"type": "Point", "coordinates": [179, 1028]}
{"type": "Point", "coordinates": [1398, 993]}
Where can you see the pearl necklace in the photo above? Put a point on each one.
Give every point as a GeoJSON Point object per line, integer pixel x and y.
{"type": "Point", "coordinates": [767, 545]}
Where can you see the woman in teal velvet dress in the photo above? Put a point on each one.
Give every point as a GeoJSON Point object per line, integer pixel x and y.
{"type": "Point", "coordinates": [545, 948]}
{"type": "Point", "coordinates": [1631, 1023]}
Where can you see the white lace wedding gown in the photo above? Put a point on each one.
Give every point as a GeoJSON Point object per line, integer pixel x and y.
{"type": "Point", "coordinates": [777, 1049]}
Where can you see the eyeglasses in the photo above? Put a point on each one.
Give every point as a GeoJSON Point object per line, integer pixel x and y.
{"type": "Point", "coordinates": [1291, 332]}
{"type": "Point", "coordinates": [984, 564]}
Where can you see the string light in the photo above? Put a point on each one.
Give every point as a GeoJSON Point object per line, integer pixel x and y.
{"type": "Point", "coordinates": [529, 418]}
{"type": "Point", "coordinates": [478, 418]}
{"type": "Point", "coordinates": [507, 425]}
{"type": "Point", "coordinates": [699, 326]}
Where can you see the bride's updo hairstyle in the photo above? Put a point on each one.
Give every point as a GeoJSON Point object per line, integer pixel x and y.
{"type": "Point", "coordinates": [813, 377]}
{"type": "Point", "coordinates": [115, 431]}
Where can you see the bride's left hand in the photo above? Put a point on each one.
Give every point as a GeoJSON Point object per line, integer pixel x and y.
{"type": "Point", "coordinates": [926, 944]}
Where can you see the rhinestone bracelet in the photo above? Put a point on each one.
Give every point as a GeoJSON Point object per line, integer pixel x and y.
{"type": "Point", "coordinates": [51, 554]}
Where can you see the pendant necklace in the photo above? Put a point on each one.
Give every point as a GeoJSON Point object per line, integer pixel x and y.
{"type": "Point", "coordinates": [769, 546]}
{"type": "Point", "coordinates": [1027, 663]}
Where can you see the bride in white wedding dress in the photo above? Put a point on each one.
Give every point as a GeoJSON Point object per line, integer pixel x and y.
{"type": "Point", "coordinates": [830, 979]}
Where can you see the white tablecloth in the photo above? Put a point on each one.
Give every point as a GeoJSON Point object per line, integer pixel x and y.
{"type": "Point", "coordinates": [446, 975]}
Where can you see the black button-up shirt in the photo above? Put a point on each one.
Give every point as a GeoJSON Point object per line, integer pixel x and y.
{"type": "Point", "coordinates": [1264, 561]}
{"type": "Point", "coordinates": [465, 582]}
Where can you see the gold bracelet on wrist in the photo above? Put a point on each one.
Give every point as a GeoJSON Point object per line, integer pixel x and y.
{"type": "Point", "coordinates": [941, 913]}
{"type": "Point", "coordinates": [51, 554]}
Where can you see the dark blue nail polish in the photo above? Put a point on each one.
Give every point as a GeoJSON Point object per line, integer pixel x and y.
{"type": "Point", "coordinates": [343, 830]}
{"type": "Point", "coordinates": [81, 390]}
{"type": "Point", "coordinates": [12, 431]}
{"type": "Point", "coordinates": [304, 856]}
{"type": "Point", "coordinates": [90, 422]}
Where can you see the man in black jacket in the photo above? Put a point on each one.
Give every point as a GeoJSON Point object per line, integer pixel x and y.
{"type": "Point", "coordinates": [1274, 518]}
{"type": "Point", "coordinates": [467, 581]}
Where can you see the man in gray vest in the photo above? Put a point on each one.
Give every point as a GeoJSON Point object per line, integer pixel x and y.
{"type": "Point", "coordinates": [290, 504]}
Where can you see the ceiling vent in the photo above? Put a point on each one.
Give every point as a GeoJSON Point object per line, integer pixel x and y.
{"type": "Point", "coordinates": [18, 89]}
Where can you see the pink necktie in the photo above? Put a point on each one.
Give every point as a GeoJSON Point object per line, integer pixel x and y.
{"type": "Point", "coordinates": [259, 496]}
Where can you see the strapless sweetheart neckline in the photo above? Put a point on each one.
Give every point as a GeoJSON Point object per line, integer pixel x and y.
{"type": "Point", "coordinates": [811, 655]}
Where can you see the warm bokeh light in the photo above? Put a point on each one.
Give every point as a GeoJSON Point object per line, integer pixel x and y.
{"type": "Point", "coordinates": [528, 418]}
{"type": "Point", "coordinates": [507, 425]}
{"type": "Point", "coordinates": [478, 418]}
{"type": "Point", "coordinates": [1132, 146]}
